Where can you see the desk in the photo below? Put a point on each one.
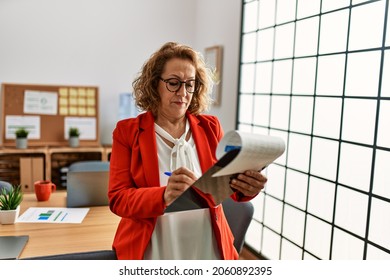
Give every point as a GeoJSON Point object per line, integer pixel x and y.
{"type": "Point", "coordinates": [96, 232]}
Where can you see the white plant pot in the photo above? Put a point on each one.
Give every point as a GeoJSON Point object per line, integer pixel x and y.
{"type": "Point", "coordinates": [21, 143]}
{"type": "Point", "coordinates": [8, 217]}
{"type": "Point", "coordinates": [74, 141]}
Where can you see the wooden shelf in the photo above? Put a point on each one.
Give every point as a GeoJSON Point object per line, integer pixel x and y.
{"type": "Point", "coordinates": [53, 160]}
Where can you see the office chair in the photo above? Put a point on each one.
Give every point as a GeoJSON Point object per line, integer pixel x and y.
{"type": "Point", "coordinates": [91, 255]}
{"type": "Point", "coordinates": [5, 185]}
{"type": "Point", "coordinates": [239, 216]}
{"type": "Point", "coordinates": [90, 165]}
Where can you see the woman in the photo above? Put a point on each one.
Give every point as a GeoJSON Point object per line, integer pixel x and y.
{"type": "Point", "coordinates": [171, 136]}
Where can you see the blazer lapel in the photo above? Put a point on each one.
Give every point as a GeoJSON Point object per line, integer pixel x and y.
{"type": "Point", "coordinates": [148, 148]}
{"type": "Point", "coordinates": [202, 143]}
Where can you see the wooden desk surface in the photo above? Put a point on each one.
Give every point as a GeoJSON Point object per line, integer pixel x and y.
{"type": "Point", "coordinates": [96, 232]}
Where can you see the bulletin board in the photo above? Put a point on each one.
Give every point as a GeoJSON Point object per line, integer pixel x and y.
{"type": "Point", "coordinates": [50, 110]}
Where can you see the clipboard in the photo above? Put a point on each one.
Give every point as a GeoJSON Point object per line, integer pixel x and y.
{"type": "Point", "coordinates": [191, 200]}
{"type": "Point", "coordinates": [237, 151]}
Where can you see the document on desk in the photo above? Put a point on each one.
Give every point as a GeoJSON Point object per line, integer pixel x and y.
{"type": "Point", "coordinates": [237, 152]}
{"type": "Point", "coordinates": [53, 215]}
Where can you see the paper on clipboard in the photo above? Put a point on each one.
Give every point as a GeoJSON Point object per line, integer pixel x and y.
{"type": "Point", "coordinates": [256, 151]}
{"type": "Point", "coordinates": [236, 153]}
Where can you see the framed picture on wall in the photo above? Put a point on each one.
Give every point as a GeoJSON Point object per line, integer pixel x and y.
{"type": "Point", "coordinates": [213, 59]}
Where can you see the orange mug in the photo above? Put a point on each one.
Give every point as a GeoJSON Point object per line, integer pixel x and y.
{"type": "Point", "coordinates": [43, 190]}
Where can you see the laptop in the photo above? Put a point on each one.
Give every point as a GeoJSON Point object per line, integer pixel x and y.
{"type": "Point", "coordinates": [87, 188]}
{"type": "Point", "coordinates": [11, 247]}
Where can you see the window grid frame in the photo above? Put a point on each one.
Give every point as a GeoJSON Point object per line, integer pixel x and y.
{"type": "Point", "coordinates": [378, 98]}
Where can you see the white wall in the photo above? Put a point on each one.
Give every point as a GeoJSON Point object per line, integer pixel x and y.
{"type": "Point", "coordinates": [219, 23]}
{"type": "Point", "coordinates": [105, 42]}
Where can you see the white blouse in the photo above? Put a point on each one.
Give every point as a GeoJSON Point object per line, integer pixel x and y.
{"type": "Point", "coordinates": [182, 235]}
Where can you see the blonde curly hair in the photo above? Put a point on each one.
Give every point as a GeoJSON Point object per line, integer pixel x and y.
{"type": "Point", "coordinates": [145, 85]}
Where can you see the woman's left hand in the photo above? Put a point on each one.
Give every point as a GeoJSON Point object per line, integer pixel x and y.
{"type": "Point", "coordinates": [249, 183]}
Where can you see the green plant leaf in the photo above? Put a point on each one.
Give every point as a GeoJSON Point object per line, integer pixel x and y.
{"type": "Point", "coordinates": [12, 199]}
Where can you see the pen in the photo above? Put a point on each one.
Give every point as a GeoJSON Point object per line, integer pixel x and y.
{"type": "Point", "coordinates": [168, 173]}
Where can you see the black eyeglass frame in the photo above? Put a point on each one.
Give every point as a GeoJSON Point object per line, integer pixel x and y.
{"type": "Point", "coordinates": [196, 86]}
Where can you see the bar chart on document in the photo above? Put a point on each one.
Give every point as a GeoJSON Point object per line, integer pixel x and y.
{"type": "Point", "coordinates": [53, 215]}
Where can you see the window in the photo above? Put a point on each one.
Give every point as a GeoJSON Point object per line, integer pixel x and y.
{"type": "Point", "coordinates": [313, 72]}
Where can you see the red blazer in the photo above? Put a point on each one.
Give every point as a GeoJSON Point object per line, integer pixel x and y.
{"type": "Point", "coordinates": [135, 193]}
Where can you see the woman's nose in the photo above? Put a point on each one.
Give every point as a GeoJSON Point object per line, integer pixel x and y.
{"type": "Point", "coordinates": [182, 91]}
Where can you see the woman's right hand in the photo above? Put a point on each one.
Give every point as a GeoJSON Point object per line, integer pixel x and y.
{"type": "Point", "coordinates": [179, 181]}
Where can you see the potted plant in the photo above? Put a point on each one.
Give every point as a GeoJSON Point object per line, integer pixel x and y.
{"type": "Point", "coordinates": [10, 204]}
{"type": "Point", "coordinates": [21, 138]}
{"type": "Point", "coordinates": [74, 134]}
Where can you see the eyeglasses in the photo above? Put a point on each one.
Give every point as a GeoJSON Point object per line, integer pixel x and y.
{"type": "Point", "coordinates": [174, 85]}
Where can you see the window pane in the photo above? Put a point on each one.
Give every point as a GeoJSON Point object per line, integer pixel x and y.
{"type": "Point", "coordinates": [282, 77]}
{"type": "Point", "coordinates": [346, 246]}
{"type": "Point", "coordinates": [308, 7]}
{"type": "Point", "coordinates": [248, 47]}
{"type": "Point", "coordinates": [388, 30]}
{"type": "Point", "coordinates": [271, 245]}
{"type": "Point", "coordinates": [253, 235]}
{"type": "Point", "coordinates": [279, 112]}
{"type": "Point", "coordinates": [359, 117]}
{"type": "Point", "coordinates": [293, 224]}
{"type": "Point", "coordinates": [285, 11]}
{"type": "Point", "coordinates": [359, 120]}
{"type": "Point", "coordinates": [275, 184]}
{"type": "Point", "coordinates": [306, 37]}
{"type": "Point", "coordinates": [265, 44]}
{"type": "Point", "coordinates": [246, 108]}
{"type": "Point", "coordinates": [296, 189]}
{"type": "Point", "coordinates": [334, 29]}
{"type": "Point", "coordinates": [273, 213]}
{"type": "Point", "coordinates": [354, 2]}
{"type": "Point", "coordinates": [245, 127]}
{"type": "Point", "coordinates": [385, 92]}
{"type": "Point", "coordinates": [267, 13]}
{"type": "Point", "coordinates": [261, 113]}
{"type": "Point", "coordinates": [384, 124]}
{"type": "Point", "coordinates": [258, 205]}
{"type": "Point", "coordinates": [317, 230]}
{"type": "Point", "coordinates": [299, 152]}
{"type": "Point", "coordinates": [351, 210]}
{"type": "Point", "coordinates": [290, 251]}
{"type": "Point", "coordinates": [324, 158]}
{"type": "Point", "coordinates": [374, 253]}
{"type": "Point", "coordinates": [382, 178]}
{"type": "Point", "coordinates": [247, 78]}
{"type": "Point", "coordinates": [363, 74]}
{"type": "Point", "coordinates": [307, 256]}
{"type": "Point", "coordinates": [327, 117]}
{"type": "Point", "coordinates": [304, 76]}
{"type": "Point", "coordinates": [284, 40]}
{"type": "Point", "coordinates": [355, 166]}
{"type": "Point", "coordinates": [321, 198]}
{"type": "Point", "coordinates": [330, 76]}
{"type": "Point", "coordinates": [263, 77]}
{"type": "Point", "coordinates": [366, 29]}
{"type": "Point", "coordinates": [380, 223]}
{"type": "Point", "coordinates": [250, 17]}
{"type": "Point", "coordinates": [301, 114]}
{"type": "Point", "coordinates": [330, 5]}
